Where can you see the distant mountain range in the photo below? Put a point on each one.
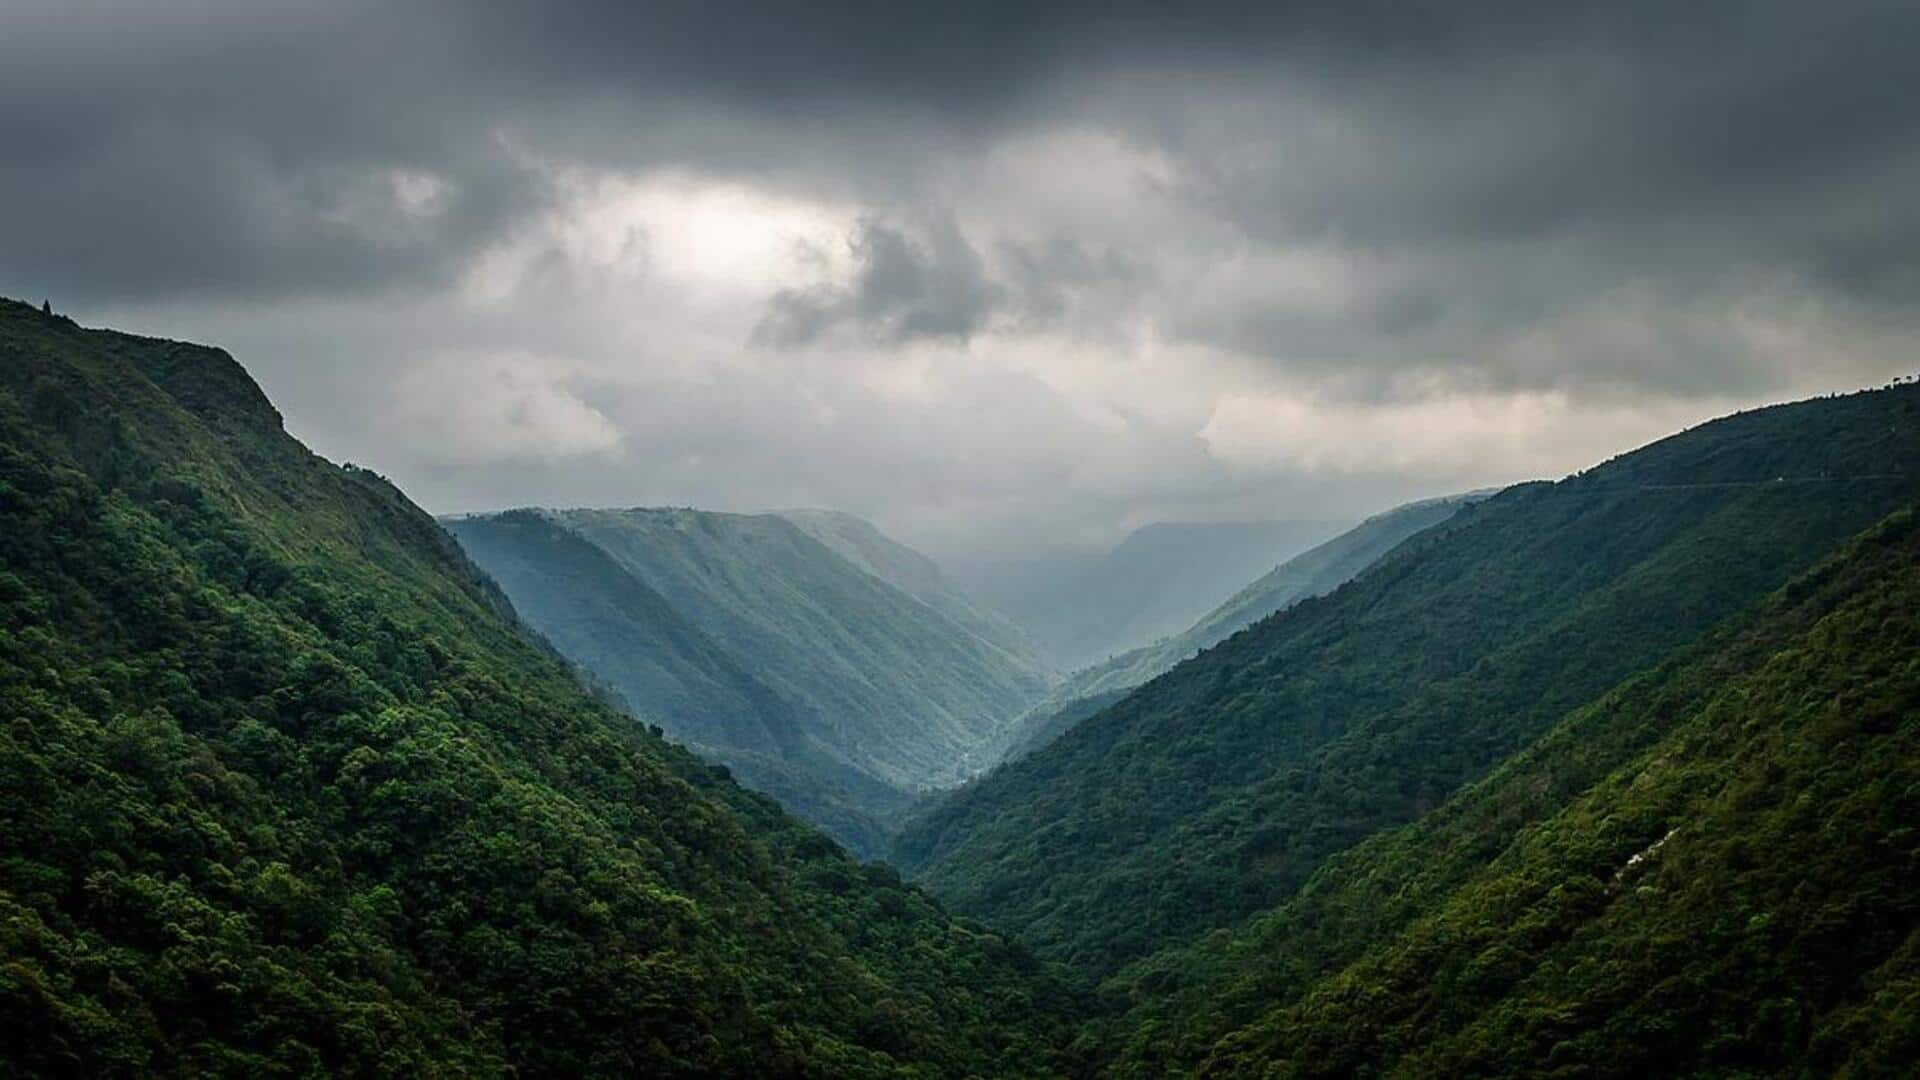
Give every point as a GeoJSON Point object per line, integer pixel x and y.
{"type": "Point", "coordinates": [1084, 609]}
{"type": "Point", "coordinates": [1311, 573]}
{"type": "Point", "coordinates": [829, 665]}
{"type": "Point", "coordinates": [863, 545]}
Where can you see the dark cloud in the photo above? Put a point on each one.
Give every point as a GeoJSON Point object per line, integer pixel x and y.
{"type": "Point", "coordinates": [1364, 200]}
{"type": "Point", "coordinates": [253, 150]}
{"type": "Point", "coordinates": [1056, 277]}
{"type": "Point", "coordinates": [904, 288]}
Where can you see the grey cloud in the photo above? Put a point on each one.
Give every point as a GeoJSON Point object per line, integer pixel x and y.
{"type": "Point", "coordinates": [1473, 121]}
{"type": "Point", "coordinates": [1772, 135]}
{"type": "Point", "coordinates": [1601, 199]}
{"type": "Point", "coordinates": [1054, 277]}
{"type": "Point", "coordinates": [904, 288]}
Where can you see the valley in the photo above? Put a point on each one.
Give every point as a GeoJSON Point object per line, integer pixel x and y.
{"type": "Point", "coordinates": [749, 639]}
{"type": "Point", "coordinates": [1040, 541]}
{"type": "Point", "coordinates": [1613, 771]}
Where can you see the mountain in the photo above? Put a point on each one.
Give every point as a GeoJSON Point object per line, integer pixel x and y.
{"type": "Point", "coordinates": [289, 791]}
{"type": "Point", "coordinates": [1217, 790]}
{"type": "Point", "coordinates": [1084, 609]}
{"type": "Point", "coordinates": [664, 669]}
{"type": "Point", "coordinates": [1314, 572]}
{"type": "Point", "coordinates": [909, 694]}
{"type": "Point", "coordinates": [1711, 869]}
{"type": "Point", "coordinates": [843, 686]}
{"type": "Point", "coordinates": [860, 543]}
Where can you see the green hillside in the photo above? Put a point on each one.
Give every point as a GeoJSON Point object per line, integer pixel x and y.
{"type": "Point", "coordinates": [1314, 572]}
{"type": "Point", "coordinates": [288, 792]}
{"type": "Point", "coordinates": [1215, 791]}
{"type": "Point", "coordinates": [1711, 870]}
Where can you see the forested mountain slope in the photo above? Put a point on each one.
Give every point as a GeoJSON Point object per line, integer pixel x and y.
{"type": "Point", "coordinates": [1713, 869]}
{"type": "Point", "coordinates": [666, 671]}
{"type": "Point", "coordinates": [288, 792]}
{"type": "Point", "coordinates": [1314, 572]}
{"type": "Point", "coordinates": [1216, 790]}
{"type": "Point", "coordinates": [1087, 609]}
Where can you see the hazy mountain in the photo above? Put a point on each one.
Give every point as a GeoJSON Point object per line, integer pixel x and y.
{"type": "Point", "coordinates": [288, 791]}
{"type": "Point", "coordinates": [667, 671]}
{"type": "Point", "coordinates": [1085, 608]}
{"type": "Point", "coordinates": [863, 545]}
{"type": "Point", "coordinates": [1314, 572]}
{"type": "Point", "coordinates": [1218, 789]}
{"type": "Point", "coordinates": [841, 683]}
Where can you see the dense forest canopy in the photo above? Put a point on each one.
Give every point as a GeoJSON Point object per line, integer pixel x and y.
{"type": "Point", "coordinates": [1330, 538]}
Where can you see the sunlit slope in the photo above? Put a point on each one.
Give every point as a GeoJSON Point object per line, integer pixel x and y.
{"type": "Point", "coordinates": [865, 546]}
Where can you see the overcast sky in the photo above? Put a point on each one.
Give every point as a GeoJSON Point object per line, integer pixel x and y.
{"type": "Point", "coordinates": [997, 276]}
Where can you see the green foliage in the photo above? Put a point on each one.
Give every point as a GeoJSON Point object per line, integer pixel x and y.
{"type": "Point", "coordinates": [286, 792]}
{"type": "Point", "coordinates": [1215, 791]}
{"type": "Point", "coordinates": [1712, 870]}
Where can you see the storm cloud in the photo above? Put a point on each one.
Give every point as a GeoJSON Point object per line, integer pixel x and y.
{"type": "Point", "coordinates": [995, 273]}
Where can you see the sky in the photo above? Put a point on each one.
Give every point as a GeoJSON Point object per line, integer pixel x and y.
{"type": "Point", "coordinates": [1000, 277]}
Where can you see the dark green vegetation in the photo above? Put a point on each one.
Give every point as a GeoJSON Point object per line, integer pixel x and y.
{"type": "Point", "coordinates": [287, 791]}
{"type": "Point", "coordinates": [1053, 718]}
{"type": "Point", "coordinates": [1713, 869]}
{"type": "Point", "coordinates": [1215, 791]}
{"type": "Point", "coordinates": [840, 683]}
{"type": "Point", "coordinates": [1085, 609]}
{"type": "Point", "coordinates": [1314, 572]}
